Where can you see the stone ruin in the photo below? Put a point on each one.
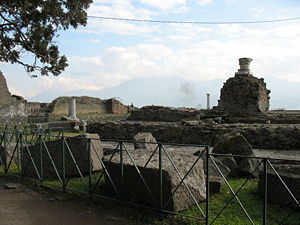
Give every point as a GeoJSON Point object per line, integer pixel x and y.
{"type": "Point", "coordinates": [17, 106]}
{"type": "Point", "coordinates": [78, 145]}
{"type": "Point", "coordinates": [87, 105]}
{"type": "Point", "coordinates": [244, 94]}
{"type": "Point", "coordinates": [13, 105]}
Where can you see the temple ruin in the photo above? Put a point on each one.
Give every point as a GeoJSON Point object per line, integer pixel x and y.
{"type": "Point", "coordinates": [244, 94]}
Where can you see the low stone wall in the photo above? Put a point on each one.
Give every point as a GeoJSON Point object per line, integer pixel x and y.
{"type": "Point", "coordinates": [161, 113]}
{"type": "Point", "coordinates": [272, 118]}
{"type": "Point", "coordinates": [261, 136]}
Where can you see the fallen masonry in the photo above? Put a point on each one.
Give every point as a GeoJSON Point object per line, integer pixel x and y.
{"type": "Point", "coordinates": [144, 140]}
{"type": "Point", "coordinates": [75, 148]}
{"type": "Point", "coordinates": [277, 192]}
{"type": "Point", "coordinates": [175, 194]}
{"type": "Point", "coordinates": [236, 144]}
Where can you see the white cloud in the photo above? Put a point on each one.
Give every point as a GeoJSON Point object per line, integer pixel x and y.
{"type": "Point", "coordinates": [204, 2]}
{"type": "Point", "coordinates": [118, 27]}
{"type": "Point", "coordinates": [209, 59]}
{"type": "Point", "coordinates": [257, 11]}
{"type": "Point", "coordinates": [165, 4]}
{"type": "Point", "coordinates": [15, 91]}
{"type": "Point", "coordinates": [204, 53]}
{"type": "Point", "coordinates": [118, 9]}
{"type": "Point", "coordinates": [180, 37]}
{"type": "Point", "coordinates": [67, 83]}
{"type": "Point", "coordinates": [87, 60]}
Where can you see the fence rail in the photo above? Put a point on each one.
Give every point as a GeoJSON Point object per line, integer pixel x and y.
{"type": "Point", "coordinates": [157, 178]}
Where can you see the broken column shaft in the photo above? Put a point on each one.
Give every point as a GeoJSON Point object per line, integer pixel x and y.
{"type": "Point", "coordinates": [72, 109]}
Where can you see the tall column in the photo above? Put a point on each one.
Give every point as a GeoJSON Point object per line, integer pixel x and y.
{"type": "Point", "coordinates": [207, 101]}
{"type": "Point", "coordinates": [72, 108]}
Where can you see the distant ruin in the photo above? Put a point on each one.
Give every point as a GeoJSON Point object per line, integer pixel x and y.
{"type": "Point", "coordinates": [244, 93]}
{"type": "Point", "coordinates": [86, 105]}
{"type": "Point", "coordinates": [17, 106]}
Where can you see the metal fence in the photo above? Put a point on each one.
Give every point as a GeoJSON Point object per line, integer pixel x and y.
{"type": "Point", "coordinates": [157, 178]}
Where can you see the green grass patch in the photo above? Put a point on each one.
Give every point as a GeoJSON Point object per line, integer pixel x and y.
{"type": "Point", "coordinates": [233, 213]}
{"type": "Point", "coordinates": [81, 184]}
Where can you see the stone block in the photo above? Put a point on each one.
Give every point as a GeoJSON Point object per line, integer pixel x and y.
{"type": "Point", "coordinates": [276, 191]}
{"type": "Point", "coordinates": [141, 140]}
{"type": "Point", "coordinates": [133, 189]}
{"type": "Point", "coordinates": [79, 147]}
{"type": "Point", "coordinates": [237, 145]}
{"type": "Point", "coordinates": [8, 154]}
{"type": "Point", "coordinates": [229, 161]}
{"type": "Point", "coordinates": [213, 171]}
{"type": "Point", "coordinates": [65, 125]}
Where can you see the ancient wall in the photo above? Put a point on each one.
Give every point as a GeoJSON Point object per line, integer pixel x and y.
{"type": "Point", "coordinates": [36, 109]}
{"type": "Point", "coordinates": [13, 105]}
{"type": "Point", "coordinates": [244, 94]}
{"type": "Point", "coordinates": [116, 107]}
{"type": "Point", "coordinates": [87, 105]}
{"type": "Point", "coordinates": [261, 136]}
{"type": "Point", "coordinates": [60, 106]}
{"type": "Point", "coordinates": [10, 105]}
{"type": "Point", "coordinates": [5, 96]}
{"type": "Point", "coordinates": [163, 114]}
{"type": "Point", "coordinates": [13, 108]}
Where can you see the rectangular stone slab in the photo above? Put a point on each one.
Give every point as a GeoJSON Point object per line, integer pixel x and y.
{"type": "Point", "coordinates": [133, 188]}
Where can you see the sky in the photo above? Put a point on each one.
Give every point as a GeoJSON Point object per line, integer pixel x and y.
{"type": "Point", "coordinates": [108, 53]}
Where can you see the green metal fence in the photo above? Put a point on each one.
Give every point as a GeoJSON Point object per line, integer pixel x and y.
{"type": "Point", "coordinates": [69, 163]}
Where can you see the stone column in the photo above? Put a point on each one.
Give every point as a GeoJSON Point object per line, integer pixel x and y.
{"type": "Point", "coordinates": [207, 101]}
{"type": "Point", "coordinates": [244, 67]}
{"type": "Point", "coordinates": [72, 109]}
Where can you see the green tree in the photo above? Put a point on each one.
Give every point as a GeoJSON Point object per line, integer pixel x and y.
{"type": "Point", "coordinates": [29, 27]}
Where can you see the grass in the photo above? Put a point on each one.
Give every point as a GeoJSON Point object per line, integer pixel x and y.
{"type": "Point", "coordinates": [233, 214]}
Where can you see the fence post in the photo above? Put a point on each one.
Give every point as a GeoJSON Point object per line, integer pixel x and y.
{"type": "Point", "coordinates": [90, 164]}
{"type": "Point", "coordinates": [41, 156]}
{"type": "Point", "coordinates": [21, 154]}
{"type": "Point", "coordinates": [63, 164]}
{"type": "Point", "coordinates": [18, 135]}
{"type": "Point", "coordinates": [121, 168]}
{"type": "Point", "coordinates": [265, 197]}
{"type": "Point", "coordinates": [207, 187]}
{"type": "Point", "coordinates": [4, 153]}
{"type": "Point", "coordinates": [160, 176]}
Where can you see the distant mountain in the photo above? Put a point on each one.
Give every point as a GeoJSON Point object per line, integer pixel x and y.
{"type": "Point", "coordinates": [180, 92]}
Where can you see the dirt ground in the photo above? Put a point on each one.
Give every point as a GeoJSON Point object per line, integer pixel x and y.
{"type": "Point", "coordinates": [21, 206]}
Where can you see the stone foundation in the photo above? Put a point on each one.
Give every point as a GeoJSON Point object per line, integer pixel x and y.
{"type": "Point", "coordinates": [260, 136]}
{"type": "Point", "coordinates": [163, 114]}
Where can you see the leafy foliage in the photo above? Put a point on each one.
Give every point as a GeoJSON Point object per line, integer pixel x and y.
{"type": "Point", "coordinates": [28, 27]}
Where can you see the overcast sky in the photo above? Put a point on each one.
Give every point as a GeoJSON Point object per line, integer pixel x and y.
{"type": "Point", "coordinates": [106, 53]}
